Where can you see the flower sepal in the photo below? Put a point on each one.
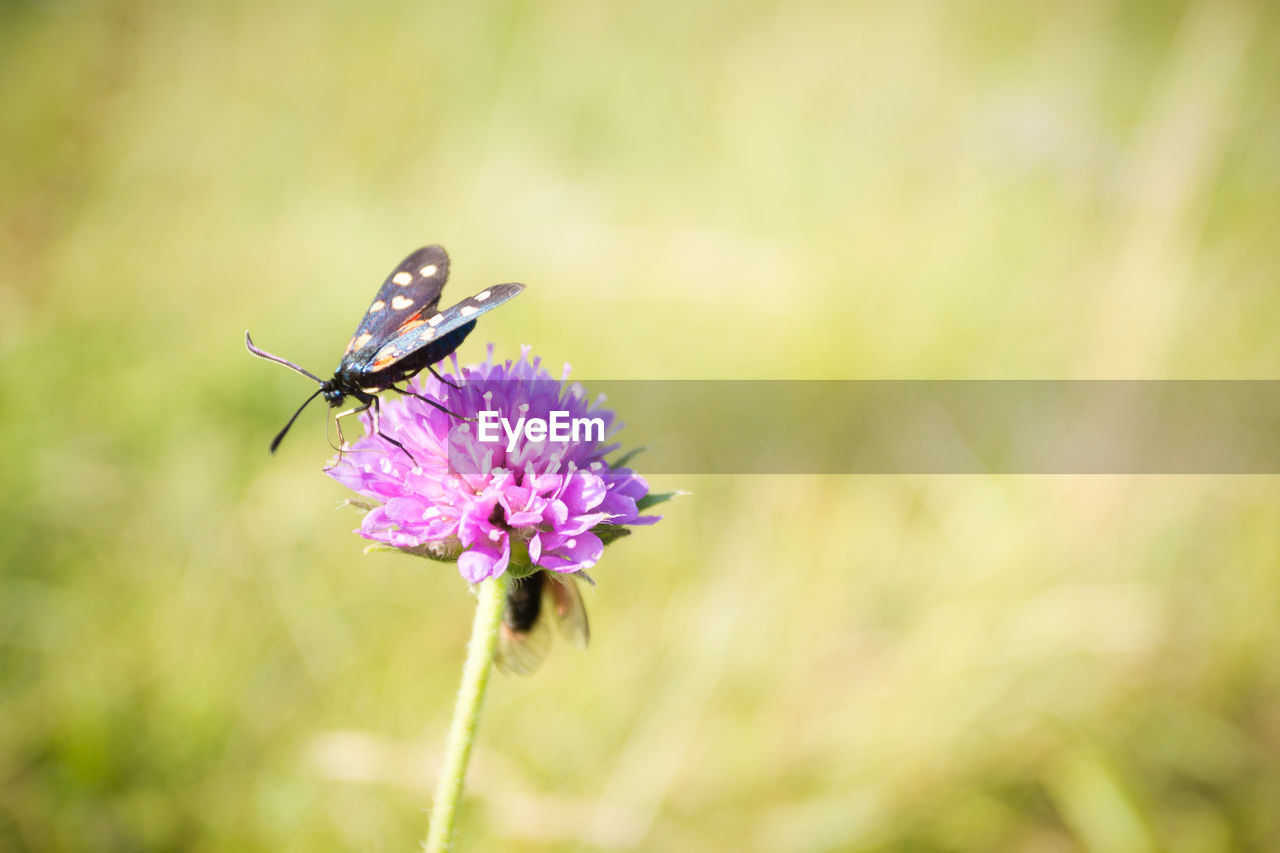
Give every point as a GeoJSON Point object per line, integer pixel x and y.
{"type": "Point", "coordinates": [520, 566]}
{"type": "Point", "coordinates": [610, 532]}
{"type": "Point", "coordinates": [653, 499]}
{"type": "Point", "coordinates": [441, 550]}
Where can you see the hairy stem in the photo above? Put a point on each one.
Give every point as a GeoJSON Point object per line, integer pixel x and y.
{"type": "Point", "coordinates": [491, 595]}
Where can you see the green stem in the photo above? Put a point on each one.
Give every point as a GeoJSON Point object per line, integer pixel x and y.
{"type": "Point", "coordinates": [466, 713]}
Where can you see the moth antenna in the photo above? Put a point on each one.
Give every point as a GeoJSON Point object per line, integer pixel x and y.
{"type": "Point", "coordinates": [248, 344]}
{"type": "Point", "coordinates": [275, 442]}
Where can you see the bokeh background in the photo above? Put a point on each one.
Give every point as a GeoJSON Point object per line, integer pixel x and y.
{"type": "Point", "coordinates": [194, 651]}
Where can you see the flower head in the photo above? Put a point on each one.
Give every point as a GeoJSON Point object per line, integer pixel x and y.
{"type": "Point", "coordinates": [515, 503]}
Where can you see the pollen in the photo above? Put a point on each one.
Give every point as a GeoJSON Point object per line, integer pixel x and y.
{"type": "Point", "coordinates": [402, 278]}
{"type": "Point", "coordinates": [401, 302]}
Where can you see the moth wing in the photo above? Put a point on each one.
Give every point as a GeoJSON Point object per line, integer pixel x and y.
{"type": "Point", "coordinates": [412, 290]}
{"type": "Point", "coordinates": [422, 330]}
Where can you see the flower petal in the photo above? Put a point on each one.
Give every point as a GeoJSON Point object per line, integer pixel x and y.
{"type": "Point", "coordinates": [483, 561]}
{"type": "Point", "coordinates": [574, 554]}
{"type": "Point", "coordinates": [583, 491]}
{"type": "Point", "coordinates": [443, 484]}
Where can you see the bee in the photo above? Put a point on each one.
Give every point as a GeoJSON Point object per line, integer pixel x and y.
{"type": "Point", "coordinates": [524, 637]}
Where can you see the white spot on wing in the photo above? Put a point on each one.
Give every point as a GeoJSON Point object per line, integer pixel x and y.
{"type": "Point", "coordinates": [362, 340]}
{"type": "Point", "coordinates": [402, 278]}
{"type": "Point", "coordinates": [467, 310]}
{"type": "Point", "coordinates": [483, 295]}
{"type": "Point", "coordinates": [427, 334]}
{"type": "Point", "coordinates": [401, 302]}
{"type": "Point", "coordinates": [377, 306]}
{"type": "Point", "coordinates": [435, 321]}
{"type": "Point", "coordinates": [428, 271]}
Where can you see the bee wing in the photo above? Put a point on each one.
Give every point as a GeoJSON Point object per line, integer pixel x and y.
{"type": "Point", "coordinates": [412, 290]}
{"type": "Point", "coordinates": [571, 614]}
{"type": "Point", "coordinates": [533, 603]}
{"type": "Point", "coordinates": [524, 637]}
{"type": "Point", "coordinates": [520, 653]}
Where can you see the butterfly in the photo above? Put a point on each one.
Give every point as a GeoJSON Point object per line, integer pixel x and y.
{"type": "Point", "coordinates": [400, 335]}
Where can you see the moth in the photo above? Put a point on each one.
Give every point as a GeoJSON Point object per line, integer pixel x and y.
{"type": "Point", "coordinates": [401, 334]}
{"type": "Point", "coordinates": [533, 603]}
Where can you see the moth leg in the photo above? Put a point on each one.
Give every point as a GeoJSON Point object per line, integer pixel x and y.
{"type": "Point", "coordinates": [406, 392]}
{"type": "Point", "coordinates": [337, 419]}
{"type": "Point", "coordinates": [342, 439]}
{"type": "Point", "coordinates": [373, 402]}
{"type": "Point", "coordinates": [371, 405]}
{"type": "Point", "coordinates": [329, 441]}
{"type": "Point", "coordinates": [439, 378]}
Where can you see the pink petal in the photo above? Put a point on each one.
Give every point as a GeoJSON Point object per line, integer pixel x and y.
{"type": "Point", "coordinates": [584, 491]}
{"type": "Point", "coordinates": [575, 553]}
{"type": "Point", "coordinates": [483, 561]}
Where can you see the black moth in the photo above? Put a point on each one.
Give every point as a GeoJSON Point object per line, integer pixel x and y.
{"type": "Point", "coordinates": [401, 334]}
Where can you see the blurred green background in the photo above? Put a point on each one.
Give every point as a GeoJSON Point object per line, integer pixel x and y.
{"type": "Point", "coordinates": [194, 651]}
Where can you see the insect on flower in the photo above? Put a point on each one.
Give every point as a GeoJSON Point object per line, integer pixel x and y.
{"type": "Point", "coordinates": [543, 512]}
{"type": "Point", "coordinates": [533, 603]}
{"type": "Point", "coordinates": [401, 334]}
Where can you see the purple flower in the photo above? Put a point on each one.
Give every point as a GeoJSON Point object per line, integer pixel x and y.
{"type": "Point", "coordinates": [516, 503]}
